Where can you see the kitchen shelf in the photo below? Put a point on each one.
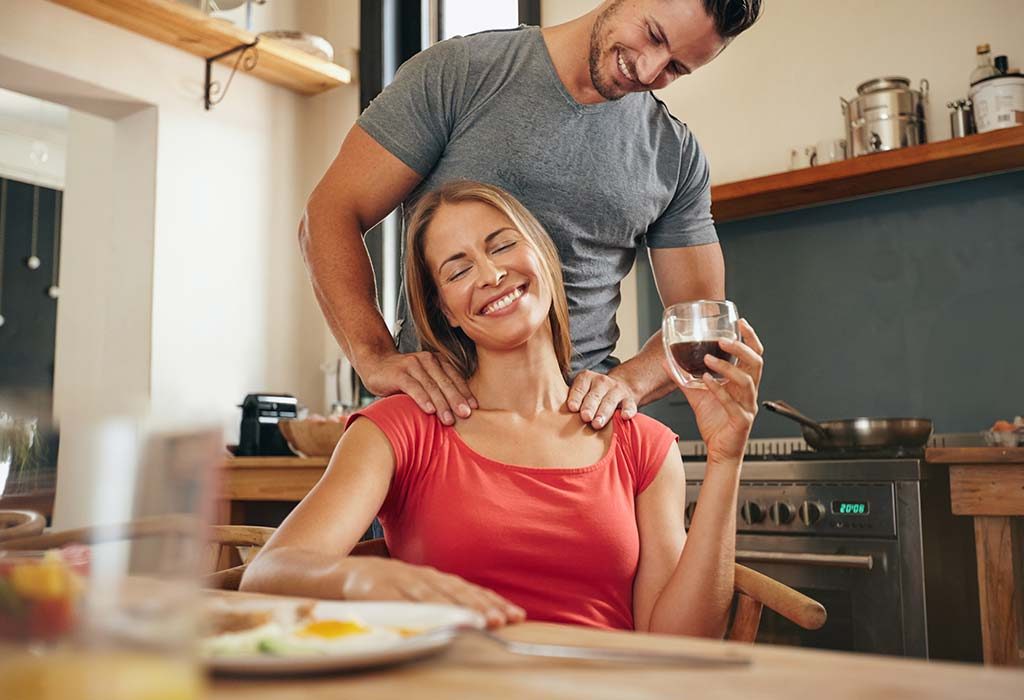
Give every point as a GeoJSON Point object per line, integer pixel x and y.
{"type": "Point", "coordinates": [190, 30]}
{"type": "Point", "coordinates": [942, 161]}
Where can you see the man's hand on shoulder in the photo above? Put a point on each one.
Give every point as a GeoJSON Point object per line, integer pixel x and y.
{"type": "Point", "coordinates": [596, 396]}
{"type": "Point", "coordinates": [428, 379]}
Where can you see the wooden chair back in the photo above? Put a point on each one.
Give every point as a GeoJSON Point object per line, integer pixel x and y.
{"type": "Point", "coordinates": [238, 541]}
{"type": "Point", "coordinates": [15, 524]}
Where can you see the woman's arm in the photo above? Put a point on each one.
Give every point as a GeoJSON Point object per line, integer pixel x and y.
{"type": "Point", "coordinates": [308, 555]}
{"type": "Point", "coordinates": [684, 582]}
{"type": "Point", "coordinates": [692, 594]}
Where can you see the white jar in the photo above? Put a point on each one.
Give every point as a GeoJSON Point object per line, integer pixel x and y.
{"type": "Point", "coordinates": [998, 103]}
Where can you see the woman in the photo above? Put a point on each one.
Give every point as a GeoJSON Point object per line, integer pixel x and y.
{"type": "Point", "coordinates": [519, 509]}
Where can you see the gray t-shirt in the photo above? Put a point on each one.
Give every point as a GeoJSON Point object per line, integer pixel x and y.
{"type": "Point", "coordinates": [602, 179]}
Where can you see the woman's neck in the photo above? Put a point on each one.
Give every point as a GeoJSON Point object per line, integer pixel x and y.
{"type": "Point", "coordinates": [525, 380]}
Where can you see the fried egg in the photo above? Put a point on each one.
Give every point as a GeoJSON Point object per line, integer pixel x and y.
{"type": "Point", "coordinates": [329, 637]}
{"type": "Point", "coordinates": [310, 638]}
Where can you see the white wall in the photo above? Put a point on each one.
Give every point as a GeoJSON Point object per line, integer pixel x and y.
{"type": "Point", "coordinates": [326, 120]}
{"type": "Point", "coordinates": [778, 85]}
{"type": "Point", "coordinates": [33, 140]}
{"type": "Point", "coordinates": [228, 309]}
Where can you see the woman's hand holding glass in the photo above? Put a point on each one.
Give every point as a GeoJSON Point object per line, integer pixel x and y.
{"type": "Point", "coordinates": [725, 410]}
{"type": "Point", "coordinates": [376, 578]}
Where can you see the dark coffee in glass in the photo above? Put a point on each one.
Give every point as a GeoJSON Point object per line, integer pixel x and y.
{"type": "Point", "coordinates": [691, 330]}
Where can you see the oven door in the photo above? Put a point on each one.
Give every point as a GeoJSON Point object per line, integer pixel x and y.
{"type": "Point", "coordinates": [857, 580]}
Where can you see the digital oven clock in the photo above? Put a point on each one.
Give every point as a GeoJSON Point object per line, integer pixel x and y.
{"type": "Point", "coordinates": [850, 507]}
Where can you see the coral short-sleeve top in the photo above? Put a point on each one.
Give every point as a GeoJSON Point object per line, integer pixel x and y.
{"type": "Point", "coordinates": [562, 543]}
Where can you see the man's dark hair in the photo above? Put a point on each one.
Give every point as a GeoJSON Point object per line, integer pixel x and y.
{"type": "Point", "coordinates": [733, 17]}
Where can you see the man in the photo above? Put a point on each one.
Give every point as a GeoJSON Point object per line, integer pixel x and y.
{"type": "Point", "coordinates": [562, 118]}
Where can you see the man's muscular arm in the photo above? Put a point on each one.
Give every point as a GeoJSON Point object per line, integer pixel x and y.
{"type": "Point", "coordinates": [363, 184]}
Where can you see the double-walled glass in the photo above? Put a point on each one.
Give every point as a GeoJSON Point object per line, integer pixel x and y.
{"type": "Point", "coordinates": [690, 330]}
{"type": "Point", "coordinates": [114, 618]}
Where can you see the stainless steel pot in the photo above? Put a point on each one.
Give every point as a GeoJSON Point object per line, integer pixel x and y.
{"type": "Point", "coordinates": [886, 114]}
{"type": "Point", "coordinates": [857, 433]}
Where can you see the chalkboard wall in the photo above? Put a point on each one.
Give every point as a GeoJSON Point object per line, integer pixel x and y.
{"type": "Point", "coordinates": [907, 304]}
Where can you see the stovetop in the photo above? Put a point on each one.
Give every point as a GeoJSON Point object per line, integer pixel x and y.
{"type": "Point", "coordinates": [820, 470]}
{"type": "Point", "coordinates": [774, 460]}
{"type": "Point", "coordinates": [792, 459]}
{"type": "Point", "coordinates": [833, 455]}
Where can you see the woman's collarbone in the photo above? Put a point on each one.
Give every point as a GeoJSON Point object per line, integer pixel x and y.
{"type": "Point", "coordinates": [566, 442]}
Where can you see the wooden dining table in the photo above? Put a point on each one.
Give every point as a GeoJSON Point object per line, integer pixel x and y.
{"type": "Point", "coordinates": [474, 667]}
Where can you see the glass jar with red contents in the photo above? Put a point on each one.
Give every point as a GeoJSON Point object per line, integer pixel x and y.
{"type": "Point", "coordinates": [40, 593]}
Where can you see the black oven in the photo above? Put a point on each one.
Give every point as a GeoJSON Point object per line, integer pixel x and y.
{"type": "Point", "coordinates": [874, 541]}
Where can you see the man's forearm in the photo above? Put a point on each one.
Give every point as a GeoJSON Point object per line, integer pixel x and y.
{"type": "Point", "coordinates": [645, 373]}
{"type": "Point", "coordinates": [342, 277]}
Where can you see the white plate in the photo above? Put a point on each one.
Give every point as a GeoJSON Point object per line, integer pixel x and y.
{"type": "Point", "coordinates": [423, 616]}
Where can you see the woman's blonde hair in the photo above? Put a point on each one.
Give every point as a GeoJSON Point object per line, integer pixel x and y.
{"type": "Point", "coordinates": [435, 333]}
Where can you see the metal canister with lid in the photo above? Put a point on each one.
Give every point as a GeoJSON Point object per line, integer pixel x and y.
{"type": "Point", "coordinates": [886, 114]}
{"type": "Point", "coordinates": [961, 118]}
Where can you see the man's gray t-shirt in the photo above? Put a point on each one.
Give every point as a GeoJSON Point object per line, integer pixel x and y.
{"type": "Point", "coordinates": [602, 179]}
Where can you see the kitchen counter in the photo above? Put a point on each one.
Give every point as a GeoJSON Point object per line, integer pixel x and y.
{"type": "Point", "coordinates": [987, 483]}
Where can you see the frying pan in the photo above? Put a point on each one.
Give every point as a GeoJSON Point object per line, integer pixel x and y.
{"type": "Point", "coordinates": [857, 433]}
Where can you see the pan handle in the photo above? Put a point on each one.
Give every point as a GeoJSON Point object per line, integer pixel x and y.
{"type": "Point", "coordinates": [843, 561]}
{"type": "Point", "coordinates": [784, 409]}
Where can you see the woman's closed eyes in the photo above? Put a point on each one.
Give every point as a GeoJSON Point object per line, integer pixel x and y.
{"type": "Point", "coordinates": [498, 249]}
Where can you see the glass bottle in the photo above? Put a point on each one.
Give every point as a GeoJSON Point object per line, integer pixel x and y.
{"type": "Point", "coordinates": [985, 68]}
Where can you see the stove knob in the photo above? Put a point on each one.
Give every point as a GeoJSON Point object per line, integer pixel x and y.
{"type": "Point", "coordinates": [751, 512]}
{"type": "Point", "coordinates": [811, 513]}
{"type": "Point", "coordinates": [690, 507]}
{"type": "Point", "coordinates": [782, 513]}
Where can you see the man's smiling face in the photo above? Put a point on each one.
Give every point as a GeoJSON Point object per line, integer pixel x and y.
{"type": "Point", "coordinates": [641, 45]}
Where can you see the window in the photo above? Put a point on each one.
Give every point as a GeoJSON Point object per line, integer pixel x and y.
{"type": "Point", "coordinates": [461, 17]}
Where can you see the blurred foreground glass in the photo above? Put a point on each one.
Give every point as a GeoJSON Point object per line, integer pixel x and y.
{"type": "Point", "coordinates": [691, 330]}
{"type": "Point", "coordinates": [114, 619]}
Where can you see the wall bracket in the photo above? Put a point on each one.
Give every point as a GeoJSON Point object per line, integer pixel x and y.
{"type": "Point", "coordinates": [247, 58]}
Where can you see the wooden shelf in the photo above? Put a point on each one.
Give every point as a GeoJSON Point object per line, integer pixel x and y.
{"type": "Point", "coordinates": [980, 154]}
{"type": "Point", "coordinates": [190, 30]}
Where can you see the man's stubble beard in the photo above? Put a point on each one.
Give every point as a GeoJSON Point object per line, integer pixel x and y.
{"type": "Point", "coordinates": [605, 88]}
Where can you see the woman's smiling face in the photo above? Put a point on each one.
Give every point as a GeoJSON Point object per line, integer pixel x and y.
{"type": "Point", "coordinates": [489, 277]}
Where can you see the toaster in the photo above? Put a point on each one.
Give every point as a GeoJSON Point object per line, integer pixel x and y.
{"type": "Point", "coordinates": [260, 435]}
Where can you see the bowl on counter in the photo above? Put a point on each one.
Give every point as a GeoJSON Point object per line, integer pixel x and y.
{"type": "Point", "coordinates": [312, 437]}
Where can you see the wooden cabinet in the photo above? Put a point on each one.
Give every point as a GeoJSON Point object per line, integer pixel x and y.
{"type": "Point", "coordinates": [247, 480]}
{"type": "Point", "coordinates": [987, 483]}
